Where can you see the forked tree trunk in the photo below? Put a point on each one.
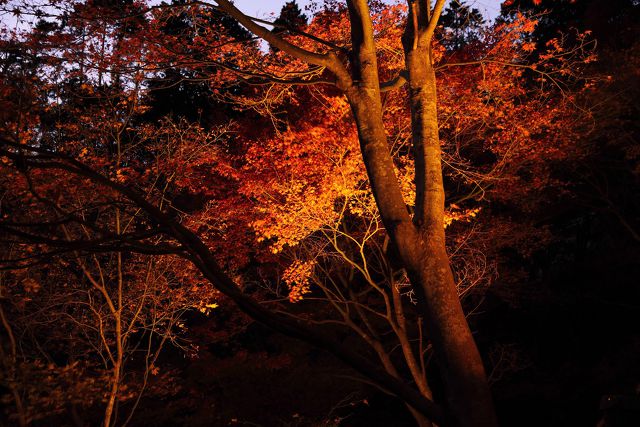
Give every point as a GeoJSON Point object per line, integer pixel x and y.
{"type": "Point", "coordinates": [420, 241]}
{"type": "Point", "coordinates": [423, 253]}
{"type": "Point", "coordinates": [469, 397]}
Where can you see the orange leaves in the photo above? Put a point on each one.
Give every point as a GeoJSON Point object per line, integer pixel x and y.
{"type": "Point", "coordinates": [455, 213]}
{"type": "Point", "coordinates": [30, 285]}
{"type": "Point", "coordinates": [296, 177]}
{"type": "Point", "coordinates": [305, 181]}
{"type": "Point", "coordinates": [297, 276]}
{"type": "Point", "coordinates": [294, 209]}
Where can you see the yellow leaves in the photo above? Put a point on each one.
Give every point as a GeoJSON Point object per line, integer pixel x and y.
{"type": "Point", "coordinates": [291, 213]}
{"type": "Point", "coordinates": [455, 213]}
{"type": "Point", "coordinates": [297, 277]}
{"type": "Point", "coordinates": [406, 176]}
{"type": "Point", "coordinates": [300, 180]}
{"type": "Point", "coordinates": [206, 308]}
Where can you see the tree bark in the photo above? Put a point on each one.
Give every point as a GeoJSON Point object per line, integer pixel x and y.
{"type": "Point", "coordinates": [469, 397]}
{"type": "Point", "coordinates": [420, 242]}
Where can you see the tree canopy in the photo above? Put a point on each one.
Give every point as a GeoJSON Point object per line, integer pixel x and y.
{"type": "Point", "coordinates": [362, 185]}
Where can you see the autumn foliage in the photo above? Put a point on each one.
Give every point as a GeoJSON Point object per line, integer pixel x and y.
{"type": "Point", "coordinates": [136, 137]}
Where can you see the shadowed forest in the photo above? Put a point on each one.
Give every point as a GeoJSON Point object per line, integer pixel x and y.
{"type": "Point", "coordinates": [356, 214]}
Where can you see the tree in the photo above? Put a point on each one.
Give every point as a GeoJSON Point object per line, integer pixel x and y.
{"type": "Point", "coordinates": [347, 64]}
{"type": "Point", "coordinates": [107, 309]}
{"type": "Point", "coordinates": [419, 241]}
{"type": "Point", "coordinates": [462, 24]}
{"type": "Point", "coordinates": [172, 89]}
{"type": "Point", "coordinates": [605, 19]}
{"type": "Point", "coordinates": [290, 17]}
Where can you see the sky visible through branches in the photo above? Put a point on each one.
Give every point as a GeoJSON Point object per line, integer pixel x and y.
{"type": "Point", "coordinates": [266, 9]}
{"type": "Point", "coordinates": [261, 8]}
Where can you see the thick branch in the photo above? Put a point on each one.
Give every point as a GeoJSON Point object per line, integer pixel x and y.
{"type": "Point", "coordinates": [202, 257]}
{"type": "Point", "coordinates": [328, 60]}
{"type": "Point", "coordinates": [365, 66]}
{"type": "Point", "coordinates": [396, 83]}
{"type": "Point", "coordinates": [433, 18]}
{"type": "Point", "coordinates": [273, 39]}
{"type": "Point", "coordinates": [299, 32]}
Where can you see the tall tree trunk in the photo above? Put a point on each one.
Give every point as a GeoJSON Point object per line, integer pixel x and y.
{"type": "Point", "coordinates": [420, 241]}
{"type": "Point", "coordinates": [422, 252]}
{"type": "Point", "coordinates": [469, 397]}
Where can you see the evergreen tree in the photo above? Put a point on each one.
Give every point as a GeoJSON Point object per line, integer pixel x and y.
{"type": "Point", "coordinates": [291, 18]}
{"type": "Point", "coordinates": [185, 93]}
{"type": "Point", "coordinates": [461, 24]}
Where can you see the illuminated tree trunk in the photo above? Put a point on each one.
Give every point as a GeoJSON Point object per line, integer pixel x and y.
{"type": "Point", "coordinates": [468, 393]}
{"type": "Point", "coordinates": [420, 241]}
{"type": "Point", "coordinates": [422, 251]}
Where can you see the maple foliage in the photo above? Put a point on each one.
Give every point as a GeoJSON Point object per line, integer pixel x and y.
{"type": "Point", "coordinates": [488, 108]}
{"type": "Point", "coordinates": [275, 188]}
